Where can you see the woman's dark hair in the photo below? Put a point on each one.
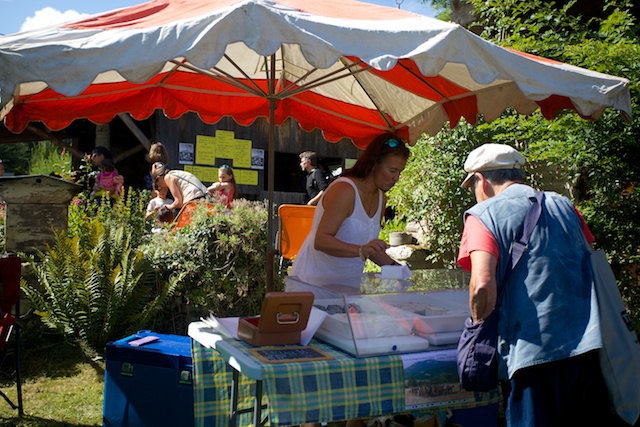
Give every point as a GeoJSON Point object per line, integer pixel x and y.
{"type": "Point", "coordinates": [381, 147]}
{"type": "Point", "coordinates": [108, 165]}
{"type": "Point", "coordinates": [158, 169]}
{"type": "Point", "coordinates": [101, 150]}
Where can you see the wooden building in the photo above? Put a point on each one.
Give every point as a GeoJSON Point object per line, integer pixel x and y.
{"type": "Point", "coordinates": [128, 140]}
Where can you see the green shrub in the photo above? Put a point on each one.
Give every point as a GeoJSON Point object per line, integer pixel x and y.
{"type": "Point", "coordinates": [128, 211]}
{"type": "Point", "coordinates": [49, 159]}
{"type": "Point", "coordinates": [96, 288]}
{"type": "Point", "coordinates": [223, 259]}
{"type": "Point", "coordinates": [429, 190]}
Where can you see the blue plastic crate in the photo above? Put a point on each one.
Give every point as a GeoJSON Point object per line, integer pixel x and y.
{"type": "Point", "coordinates": [149, 385]}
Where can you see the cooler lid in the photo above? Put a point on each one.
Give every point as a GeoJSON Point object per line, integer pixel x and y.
{"type": "Point", "coordinates": [169, 351]}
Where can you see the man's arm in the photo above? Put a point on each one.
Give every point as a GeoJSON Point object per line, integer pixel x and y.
{"type": "Point", "coordinates": [316, 199]}
{"type": "Point", "coordinates": [482, 286]}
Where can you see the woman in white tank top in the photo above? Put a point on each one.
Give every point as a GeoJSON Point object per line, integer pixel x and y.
{"type": "Point", "coordinates": [347, 219]}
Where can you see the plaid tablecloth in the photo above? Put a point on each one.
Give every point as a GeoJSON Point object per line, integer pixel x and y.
{"type": "Point", "coordinates": [297, 393]}
{"type": "Point", "coordinates": [322, 391]}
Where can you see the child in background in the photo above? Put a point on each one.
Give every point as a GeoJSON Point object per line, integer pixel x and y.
{"type": "Point", "coordinates": [160, 200]}
{"type": "Point", "coordinates": [157, 153]}
{"type": "Point", "coordinates": [164, 215]}
{"type": "Point", "coordinates": [224, 190]}
{"type": "Point", "coordinates": [106, 182]}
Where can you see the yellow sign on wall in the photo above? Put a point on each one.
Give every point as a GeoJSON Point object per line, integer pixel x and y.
{"type": "Point", "coordinates": [246, 176]}
{"type": "Point", "coordinates": [203, 173]}
{"type": "Point", "coordinates": [225, 146]}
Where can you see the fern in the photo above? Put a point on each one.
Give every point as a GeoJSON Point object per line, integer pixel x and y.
{"type": "Point", "coordinates": [96, 287]}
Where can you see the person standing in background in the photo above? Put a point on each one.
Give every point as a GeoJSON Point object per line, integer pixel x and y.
{"type": "Point", "coordinates": [1, 168]}
{"type": "Point", "coordinates": [100, 153]}
{"type": "Point", "coordinates": [316, 181]}
{"type": "Point", "coordinates": [157, 153]}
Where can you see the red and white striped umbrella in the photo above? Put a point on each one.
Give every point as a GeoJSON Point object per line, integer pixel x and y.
{"type": "Point", "coordinates": [350, 69]}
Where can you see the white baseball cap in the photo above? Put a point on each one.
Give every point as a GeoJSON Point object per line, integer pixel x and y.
{"type": "Point", "coordinates": [491, 157]}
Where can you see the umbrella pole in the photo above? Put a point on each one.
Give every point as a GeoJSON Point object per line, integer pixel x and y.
{"type": "Point", "coordinates": [270, 178]}
{"type": "Point", "coordinates": [271, 162]}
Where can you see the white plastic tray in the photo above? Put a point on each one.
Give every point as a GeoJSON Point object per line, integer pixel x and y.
{"type": "Point", "coordinates": [375, 346]}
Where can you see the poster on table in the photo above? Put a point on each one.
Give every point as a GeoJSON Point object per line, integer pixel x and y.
{"type": "Point", "coordinates": [431, 380]}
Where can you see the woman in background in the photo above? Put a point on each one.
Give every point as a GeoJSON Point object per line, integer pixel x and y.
{"type": "Point", "coordinates": [157, 153]}
{"type": "Point", "coordinates": [184, 186]}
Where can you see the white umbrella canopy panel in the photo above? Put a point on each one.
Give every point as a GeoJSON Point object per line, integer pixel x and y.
{"type": "Point", "coordinates": [348, 68]}
{"type": "Point", "coordinates": [351, 69]}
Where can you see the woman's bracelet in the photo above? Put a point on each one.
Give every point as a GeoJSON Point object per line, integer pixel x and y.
{"type": "Point", "coordinates": [362, 257]}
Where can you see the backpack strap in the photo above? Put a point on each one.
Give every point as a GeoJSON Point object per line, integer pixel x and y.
{"type": "Point", "coordinates": [521, 242]}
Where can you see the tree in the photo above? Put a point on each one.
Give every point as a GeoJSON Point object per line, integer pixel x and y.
{"type": "Point", "coordinates": [601, 158]}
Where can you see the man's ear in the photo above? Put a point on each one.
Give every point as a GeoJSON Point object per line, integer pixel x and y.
{"type": "Point", "coordinates": [487, 188]}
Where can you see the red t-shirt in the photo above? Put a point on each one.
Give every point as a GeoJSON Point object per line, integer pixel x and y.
{"type": "Point", "coordinates": [476, 237]}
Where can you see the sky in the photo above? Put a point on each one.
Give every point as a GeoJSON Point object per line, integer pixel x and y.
{"type": "Point", "coordinates": [23, 15]}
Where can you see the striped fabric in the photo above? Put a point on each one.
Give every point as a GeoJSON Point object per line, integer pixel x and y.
{"type": "Point", "coordinates": [212, 389]}
{"type": "Point", "coordinates": [297, 393]}
{"type": "Point", "coordinates": [332, 390]}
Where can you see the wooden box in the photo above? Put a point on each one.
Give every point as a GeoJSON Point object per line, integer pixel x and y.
{"type": "Point", "coordinates": [36, 205]}
{"type": "Point", "coordinates": [283, 317]}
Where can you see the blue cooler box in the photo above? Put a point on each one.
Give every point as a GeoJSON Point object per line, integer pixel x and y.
{"type": "Point", "coordinates": [150, 384]}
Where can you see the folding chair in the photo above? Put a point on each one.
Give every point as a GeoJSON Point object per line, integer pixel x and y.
{"type": "Point", "coordinates": [294, 223]}
{"type": "Point", "coordinates": [10, 273]}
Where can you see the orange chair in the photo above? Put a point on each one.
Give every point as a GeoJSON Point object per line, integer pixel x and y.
{"type": "Point", "coordinates": [10, 274]}
{"type": "Point", "coordinates": [294, 223]}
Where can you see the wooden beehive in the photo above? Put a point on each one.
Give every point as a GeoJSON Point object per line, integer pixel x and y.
{"type": "Point", "coordinates": [36, 205]}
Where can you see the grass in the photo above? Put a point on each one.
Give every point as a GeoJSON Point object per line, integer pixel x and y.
{"type": "Point", "coordinates": [62, 384]}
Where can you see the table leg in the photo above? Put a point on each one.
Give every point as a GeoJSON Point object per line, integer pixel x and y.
{"type": "Point", "coordinates": [257, 409]}
{"type": "Point", "coordinates": [235, 384]}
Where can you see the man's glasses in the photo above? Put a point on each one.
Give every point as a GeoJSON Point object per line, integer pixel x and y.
{"type": "Point", "coordinates": [224, 166]}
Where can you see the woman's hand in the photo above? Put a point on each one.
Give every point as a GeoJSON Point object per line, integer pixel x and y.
{"type": "Point", "coordinates": [372, 249]}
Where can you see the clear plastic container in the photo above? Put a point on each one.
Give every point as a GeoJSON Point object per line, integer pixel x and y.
{"type": "Point", "coordinates": [370, 316]}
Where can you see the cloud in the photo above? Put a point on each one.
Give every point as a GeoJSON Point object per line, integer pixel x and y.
{"type": "Point", "coordinates": [50, 16]}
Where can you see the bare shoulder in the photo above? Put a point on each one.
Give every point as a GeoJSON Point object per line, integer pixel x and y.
{"type": "Point", "coordinates": [339, 198]}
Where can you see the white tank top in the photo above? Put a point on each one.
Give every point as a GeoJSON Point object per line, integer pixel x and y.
{"type": "Point", "coordinates": [318, 268]}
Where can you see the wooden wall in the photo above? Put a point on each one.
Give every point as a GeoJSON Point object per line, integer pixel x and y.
{"type": "Point", "coordinates": [289, 139]}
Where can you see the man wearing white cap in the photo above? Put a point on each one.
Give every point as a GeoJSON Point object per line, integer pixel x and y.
{"type": "Point", "coordinates": [547, 337]}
